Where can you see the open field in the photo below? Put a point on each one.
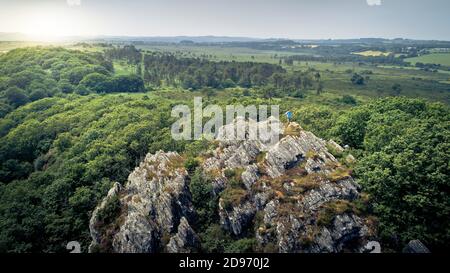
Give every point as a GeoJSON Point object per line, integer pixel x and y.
{"type": "Point", "coordinates": [372, 53]}
{"type": "Point", "coordinates": [435, 58]}
{"type": "Point", "coordinates": [336, 76]}
{"type": "Point", "coordinates": [7, 46]}
{"type": "Point", "coordinates": [220, 53]}
{"type": "Point", "coordinates": [414, 83]}
{"type": "Point", "coordinates": [122, 68]}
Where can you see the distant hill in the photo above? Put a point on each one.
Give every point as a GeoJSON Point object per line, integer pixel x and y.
{"type": "Point", "coordinates": [15, 36]}
{"type": "Point", "coordinates": [178, 39]}
{"type": "Point", "coordinates": [4, 36]}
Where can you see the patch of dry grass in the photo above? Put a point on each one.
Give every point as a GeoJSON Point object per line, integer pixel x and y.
{"type": "Point", "coordinates": [339, 174]}
{"type": "Point", "coordinates": [331, 209]}
{"type": "Point", "coordinates": [292, 129]}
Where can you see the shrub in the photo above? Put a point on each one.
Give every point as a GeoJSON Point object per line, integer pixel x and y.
{"type": "Point", "coordinates": [110, 212]}
{"type": "Point", "coordinates": [191, 164]}
{"type": "Point", "coordinates": [204, 201]}
{"type": "Point", "coordinates": [331, 209]}
{"type": "Point", "coordinates": [347, 99]}
{"type": "Point", "coordinates": [229, 173]}
{"type": "Point", "coordinates": [232, 197]}
{"type": "Point", "coordinates": [214, 239]}
{"type": "Point", "coordinates": [357, 79]}
{"type": "Point", "coordinates": [16, 96]}
{"type": "Point", "coordinates": [245, 245]}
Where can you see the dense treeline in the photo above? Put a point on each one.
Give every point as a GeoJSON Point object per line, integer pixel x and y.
{"type": "Point", "coordinates": [404, 166]}
{"type": "Point", "coordinates": [128, 53]}
{"type": "Point", "coordinates": [59, 157]}
{"type": "Point", "coordinates": [30, 74]}
{"type": "Point", "coordinates": [197, 73]}
{"type": "Point", "coordinates": [432, 67]}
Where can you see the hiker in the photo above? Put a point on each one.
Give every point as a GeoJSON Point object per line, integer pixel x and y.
{"type": "Point", "coordinates": [289, 115]}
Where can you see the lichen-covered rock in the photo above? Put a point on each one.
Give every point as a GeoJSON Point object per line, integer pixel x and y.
{"type": "Point", "coordinates": [237, 154]}
{"type": "Point", "coordinates": [154, 200]}
{"type": "Point", "coordinates": [238, 219]}
{"type": "Point", "coordinates": [250, 176]}
{"type": "Point", "coordinates": [264, 133]}
{"type": "Point", "coordinates": [294, 149]}
{"type": "Point", "coordinates": [95, 218]}
{"type": "Point", "coordinates": [333, 145]}
{"type": "Point", "coordinates": [293, 195]}
{"type": "Point", "coordinates": [185, 241]}
{"type": "Point", "coordinates": [303, 192]}
{"type": "Point", "coordinates": [327, 191]}
{"type": "Point", "coordinates": [344, 230]}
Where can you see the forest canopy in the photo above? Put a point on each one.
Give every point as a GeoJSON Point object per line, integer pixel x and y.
{"type": "Point", "coordinates": [32, 74]}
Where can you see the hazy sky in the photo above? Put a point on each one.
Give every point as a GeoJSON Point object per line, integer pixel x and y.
{"type": "Point", "coordinates": [422, 19]}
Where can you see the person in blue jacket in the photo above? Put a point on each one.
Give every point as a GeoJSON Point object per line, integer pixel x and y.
{"type": "Point", "coordinates": [289, 115]}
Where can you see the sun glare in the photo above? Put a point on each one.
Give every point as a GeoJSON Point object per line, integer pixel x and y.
{"type": "Point", "coordinates": [51, 25]}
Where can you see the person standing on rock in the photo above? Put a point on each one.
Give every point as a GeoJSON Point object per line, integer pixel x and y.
{"type": "Point", "coordinates": [289, 115]}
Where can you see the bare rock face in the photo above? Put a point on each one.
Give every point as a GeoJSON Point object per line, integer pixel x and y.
{"type": "Point", "coordinates": [185, 241]}
{"type": "Point", "coordinates": [239, 218]}
{"type": "Point", "coordinates": [155, 206]}
{"type": "Point", "coordinates": [293, 149]}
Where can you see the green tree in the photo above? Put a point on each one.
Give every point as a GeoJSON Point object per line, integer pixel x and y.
{"type": "Point", "coordinates": [204, 201]}
{"type": "Point", "coordinates": [98, 83]}
{"type": "Point", "coordinates": [409, 181]}
{"type": "Point", "coordinates": [4, 109]}
{"type": "Point", "coordinates": [403, 165]}
{"type": "Point", "coordinates": [358, 79]}
{"type": "Point", "coordinates": [65, 86]}
{"type": "Point", "coordinates": [129, 83]}
{"type": "Point", "coordinates": [351, 128]}
{"type": "Point", "coordinates": [16, 96]}
{"type": "Point", "coordinates": [320, 87]}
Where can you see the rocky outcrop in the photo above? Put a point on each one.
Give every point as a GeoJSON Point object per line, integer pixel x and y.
{"type": "Point", "coordinates": [298, 196]}
{"type": "Point", "coordinates": [185, 241]}
{"type": "Point", "coordinates": [96, 220]}
{"type": "Point", "coordinates": [292, 195]}
{"type": "Point", "coordinates": [292, 150]}
{"type": "Point", "coordinates": [156, 206]}
{"type": "Point", "coordinates": [238, 219]}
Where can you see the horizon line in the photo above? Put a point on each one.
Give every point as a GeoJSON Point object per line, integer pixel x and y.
{"type": "Point", "coordinates": [31, 37]}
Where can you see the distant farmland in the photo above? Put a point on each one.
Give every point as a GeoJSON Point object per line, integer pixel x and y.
{"type": "Point", "coordinates": [372, 53]}
{"type": "Point", "coordinates": [436, 58]}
